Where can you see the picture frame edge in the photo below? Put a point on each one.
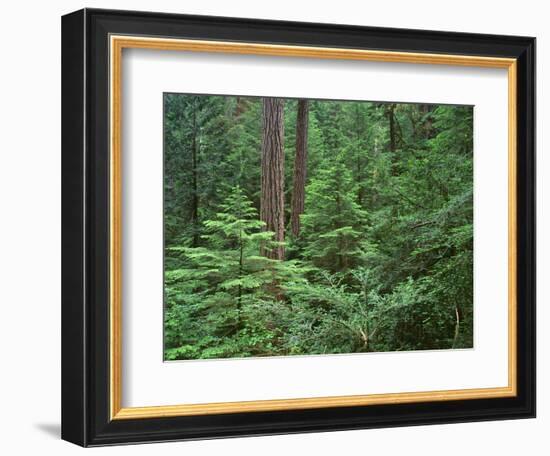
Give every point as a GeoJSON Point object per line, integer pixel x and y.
{"type": "Point", "coordinates": [86, 409]}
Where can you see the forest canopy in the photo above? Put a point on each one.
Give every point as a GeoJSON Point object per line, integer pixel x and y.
{"type": "Point", "coordinates": [299, 227]}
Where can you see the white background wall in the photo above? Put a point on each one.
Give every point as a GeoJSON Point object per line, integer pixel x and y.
{"type": "Point", "coordinates": [30, 194]}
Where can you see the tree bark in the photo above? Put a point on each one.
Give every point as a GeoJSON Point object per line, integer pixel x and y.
{"type": "Point", "coordinates": [195, 196]}
{"type": "Point", "coordinates": [300, 167]}
{"type": "Point", "coordinates": [428, 121]}
{"type": "Point", "coordinates": [457, 327]}
{"type": "Point", "coordinates": [240, 107]}
{"type": "Point", "coordinates": [272, 181]}
{"type": "Point", "coordinates": [393, 134]}
{"type": "Point", "coordinates": [391, 118]}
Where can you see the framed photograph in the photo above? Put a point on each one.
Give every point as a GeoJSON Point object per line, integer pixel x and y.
{"type": "Point", "coordinates": [278, 227]}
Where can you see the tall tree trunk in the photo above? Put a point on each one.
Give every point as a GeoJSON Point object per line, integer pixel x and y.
{"type": "Point", "coordinates": [361, 134]}
{"type": "Point", "coordinates": [273, 164]}
{"type": "Point", "coordinates": [391, 118]}
{"type": "Point", "coordinates": [393, 134]}
{"type": "Point", "coordinates": [300, 167]}
{"type": "Point", "coordinates": [457, 327]}
{"type": "Point", "coordinates": [428, 121]}
{"type": "Point", "coordinates": [359, 180]}
{"type": "Point", "coordinates": [240, 106]}
{"type": "Point", "coordinates": [195, 197]}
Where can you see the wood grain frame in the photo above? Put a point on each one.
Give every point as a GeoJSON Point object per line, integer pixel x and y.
{"type": "Point", "coordinates": [117, 45]}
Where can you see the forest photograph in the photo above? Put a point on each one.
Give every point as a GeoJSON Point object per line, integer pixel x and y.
{"type": "Point", "coordinates": [315, 227]}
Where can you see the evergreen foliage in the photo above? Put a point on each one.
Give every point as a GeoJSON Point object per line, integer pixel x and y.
{"type": "Point", "coordinates": [384, 257]}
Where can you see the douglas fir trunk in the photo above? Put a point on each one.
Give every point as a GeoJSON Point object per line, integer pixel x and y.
{"type": "Point", "coordinates": [272, 185]}
{"type": "Point", "coordinates": [300, 167]}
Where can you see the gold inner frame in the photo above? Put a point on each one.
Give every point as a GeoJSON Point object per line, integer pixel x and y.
{"type": "Point", "coordinates": [117, 44]}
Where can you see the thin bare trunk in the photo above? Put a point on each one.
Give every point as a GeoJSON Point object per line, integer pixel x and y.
{"type": "Point", "coordinates": [457, 327]}
{"type": "Point", "coordinates": [393, 137]}
{"type": "Point", "coordinates": [428, 121]}
{"type": "Point", "coordinates": [240, 107]}
{"type": "Point", "coordinates": [300, 167]}
{"type": "Point", "coordinates": [391, 118]}
{"type": "Point", "coordinates": [272, 182]}
{"type": "Point", "coordinates": [359, 179]}
{"type": "Point", "coordinates": [195, 198]}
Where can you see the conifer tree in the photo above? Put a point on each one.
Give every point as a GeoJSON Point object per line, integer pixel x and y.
{"type": "Point", "coordinates": [300, 167]}
{"type": "Point", "coordinates": [333, 221]}
{"type": "Point", "coordinates": [272, 208]}
{"type": "Point", "coordinates": [226, 278]}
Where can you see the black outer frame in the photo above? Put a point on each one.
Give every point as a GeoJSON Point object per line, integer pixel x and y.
{"type": "Point", "coordinates": [85, 227]}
